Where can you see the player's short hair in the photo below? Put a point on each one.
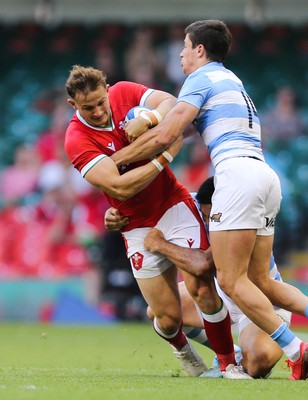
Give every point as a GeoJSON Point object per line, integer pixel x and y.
{"type": "Point", "coordinates": [205, 191]}
{"type": "Point", "coordinates": [214, 35]}
{"type": "Point", "coordinates": [84, 80]}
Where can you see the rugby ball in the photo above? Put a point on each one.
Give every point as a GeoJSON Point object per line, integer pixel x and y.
{"type": "Point", "coordinates": [135, 112]}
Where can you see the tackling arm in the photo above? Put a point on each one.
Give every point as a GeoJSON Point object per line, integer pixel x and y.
{"type": "Point", "coordinates": [158, 138]}
{"type": "Point", "coordinates": [105, 175]}
{"type": "Point", "coordinates": [196, 262]}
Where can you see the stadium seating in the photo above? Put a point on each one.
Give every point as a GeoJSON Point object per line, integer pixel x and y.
{"type": "Point", "coordinates": [36, 59]}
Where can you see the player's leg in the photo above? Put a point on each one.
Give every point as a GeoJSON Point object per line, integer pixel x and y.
{"type": "Point", "coordinates": [294, 348]}
{"type": "Point", "coordinates": [193, 326]}
{"type": "Point", "coordinates": [287, 296]}
{"type": "Point", "coordinates": [281, 294]}
{"type": "Point", "coordinates": [151, 272]}
{"type": "Point", "coordinates": [162, 295]}
{"type": "Point", "coordinates": [233, 279]}
{"type": "Point", "coordinates": [182, 225]}
{"type": "Point", "coordinates": [242, 186]}
{"type": "Point", "coordinates": [217, 326]}
{"type": "Point", "coordinates": [167, 319]}
{"type": "Point", "coordinates": [192, 321]}
{"type": "Point", "coordinates": [260, 353]}
{"type": "Point", "coordinates": [190, 314]}
{"type": "Point", "coordinates": [254, 194]}
{"type": "Point", "coordinates": [232, 251]}
{"type": "Point", "coordinates": [157, 280]}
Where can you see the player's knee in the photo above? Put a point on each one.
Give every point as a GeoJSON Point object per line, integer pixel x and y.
{"type": "Point", "coordinates": [258, 364]}
{"type": "Point", "coordinates": [168, 323]}
{"type": "Point", "coordinates": [227, 285]}
{"type": "Point", "coordinates": [206, 293]}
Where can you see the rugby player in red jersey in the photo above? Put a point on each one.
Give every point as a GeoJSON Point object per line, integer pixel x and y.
{"type": "Point", "coordinates": [148, 195]}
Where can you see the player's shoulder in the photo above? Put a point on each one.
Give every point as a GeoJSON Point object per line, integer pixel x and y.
{"type": "Point", "coordinates": [71, 126]}
{"type": "Point", "coordinates": [198, 78]}
{"type": "Point", "coordinates": [126, 93]}
{"type": "Point", "coordinates": [76, 132]}
{"type": "Point", "coordinates": [124, 85]}
{"type": "Point", "coordinates": [74, 125]}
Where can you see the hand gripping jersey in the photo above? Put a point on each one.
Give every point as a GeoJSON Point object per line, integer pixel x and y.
{"type": "Point", "coordinates": [86, 145]}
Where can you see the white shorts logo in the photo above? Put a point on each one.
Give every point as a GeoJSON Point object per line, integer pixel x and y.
{"type": "Point", "coordinates": [216, 217]}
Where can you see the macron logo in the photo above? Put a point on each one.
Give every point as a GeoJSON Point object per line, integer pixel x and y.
{"type": "Point", "coordinates": [190, 242]}
{"type": "Point", "coordinates": [111, 146]}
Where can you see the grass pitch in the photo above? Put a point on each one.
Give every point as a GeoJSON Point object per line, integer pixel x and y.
{"type": "Point", "coordinates": [124, 361]}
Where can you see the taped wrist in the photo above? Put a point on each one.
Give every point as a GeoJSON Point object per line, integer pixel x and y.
{"type": "Point", "coordinates": [153, 117]}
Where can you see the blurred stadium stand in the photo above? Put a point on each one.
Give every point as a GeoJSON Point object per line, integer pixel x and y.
{"type": "Point", "coordinates": [134, 11]}
{"type": "Point", "coordinates": [36, 57]}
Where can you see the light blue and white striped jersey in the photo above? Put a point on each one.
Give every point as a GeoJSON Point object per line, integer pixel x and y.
{"type": "Point", "coordinates": [227, 120]}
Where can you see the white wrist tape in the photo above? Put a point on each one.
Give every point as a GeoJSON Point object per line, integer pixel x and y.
{"type": "Point", "coordinates": [167, 156]}
{"type": "Point", "coordinates": [157, 164]}
{"type": "Point", "coordinates": [157, 115]}
{"type": "Point", "coordinates": [146, 117]}
{"type": "Point", "coordinates": [153, 117]}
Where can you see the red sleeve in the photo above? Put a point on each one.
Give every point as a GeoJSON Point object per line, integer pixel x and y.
{"type": "Point", "coordinates": [79, 146]}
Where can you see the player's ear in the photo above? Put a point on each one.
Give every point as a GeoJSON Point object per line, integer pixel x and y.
{"type": "Point", "coordinates": [72, 103]}
{"type": "Point", "coordinates": [201, 50]}
{"type": "Point", "coordinates": [107, 87]}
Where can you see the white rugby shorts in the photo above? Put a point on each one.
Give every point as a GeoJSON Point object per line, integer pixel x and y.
{"type": "Point", "coordinates": [179, 225]}
{"type": "Point", "coordinates": [247, 196]}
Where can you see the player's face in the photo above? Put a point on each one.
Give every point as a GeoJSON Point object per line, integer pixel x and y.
{"type": "Point", "coordinates": [189, 57]}
{"type": "Point", "coordinates": [95, 107]}
{"type": "Point", "coordinates": [206, 210]}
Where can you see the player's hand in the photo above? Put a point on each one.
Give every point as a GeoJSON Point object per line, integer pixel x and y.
{"type": "Point", "coordinates": [176, 146]}
{"type": "Point", "coordinates": [113, 220]}
{"type": "Point", "coordinates": [135, 128]}
{"type": "Point", "coordinates": [152, 240]}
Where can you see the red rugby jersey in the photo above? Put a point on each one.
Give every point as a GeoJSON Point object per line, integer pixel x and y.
{"type": "Point", "coordinates": [83, 143]}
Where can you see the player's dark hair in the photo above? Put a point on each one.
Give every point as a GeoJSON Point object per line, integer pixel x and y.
{"type": "Point", "coordinates": [205, 191]}
{"type": "Point", "coordinates": [214, 35]}
{"type": "Point", "coordinates": [84, 80]}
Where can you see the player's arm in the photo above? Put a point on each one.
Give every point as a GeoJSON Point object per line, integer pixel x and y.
{"type": "Point", "coordinates": [196, 262]}
{"type": "Point", "coordinates": [160, 103]}
{"type": "Point", "coordinates": [105, 175]}
{"type": "Point", "coordinates": [160, 137]}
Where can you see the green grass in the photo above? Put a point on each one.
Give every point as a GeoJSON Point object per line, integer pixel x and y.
{"type": "Point", "coordinates": [125, 361]}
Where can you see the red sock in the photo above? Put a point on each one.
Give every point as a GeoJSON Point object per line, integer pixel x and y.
{"type": "Point", "coordinates": [178, 341]}
{"type": "Point", "coordinates": [220, 338]}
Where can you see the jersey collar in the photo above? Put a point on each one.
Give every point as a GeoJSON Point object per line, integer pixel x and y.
{"type": "Point", "coordinates": [97, 128]}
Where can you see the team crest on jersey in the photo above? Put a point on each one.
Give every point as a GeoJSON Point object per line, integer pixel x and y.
{"type": "Point", "coordinates": [190, 242]}
{"type": "Point", "coordinates": [216, 217]}
{"type": "Point", "coordinates": [137, 260]}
